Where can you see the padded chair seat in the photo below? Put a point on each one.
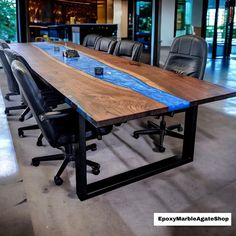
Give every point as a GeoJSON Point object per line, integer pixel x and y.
{"type": "Point", "coordinates": [184, 65]}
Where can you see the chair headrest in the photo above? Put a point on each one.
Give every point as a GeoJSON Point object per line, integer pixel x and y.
{"type": "Point", "coordinates": [129, 49]}
{"type": "Point", "coordinates": [187, 56]}
{"type": "Point", "coordinates": [3, 44]}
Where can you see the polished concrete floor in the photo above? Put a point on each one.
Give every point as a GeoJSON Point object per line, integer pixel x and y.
{"type": "Point", "coordinates": [31, 204]}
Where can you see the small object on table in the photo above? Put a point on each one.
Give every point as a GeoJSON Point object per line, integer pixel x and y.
{"type": "Point", "coordinates": [70, 53]}
{"type": "Point", "coordinates": [98, 70]}
{"type": "Point", "coordinates": [56, 49]}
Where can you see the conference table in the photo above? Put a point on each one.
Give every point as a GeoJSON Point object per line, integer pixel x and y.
{"type": "Point", "coordinates": [127, 90]}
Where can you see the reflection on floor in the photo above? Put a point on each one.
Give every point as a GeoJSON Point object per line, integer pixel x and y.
{"type": "Point", "coordinates": [14, 212]}
{"type": "Point", "coordinates": [206, 185]}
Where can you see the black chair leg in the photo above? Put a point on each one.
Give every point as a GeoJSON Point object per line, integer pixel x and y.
{"type": "Point", "coordinates": [57, 179]}
{"type": "Point", "coordinates": [39, 141]}
{"type": "Point", "coordinates": [151, 124]}
{"type": "Point", "coordinates": [136, 134]}
{"type": "Point", "coordinates": [177, 126]}
{"type": "Point", "coordinates": [92, 147]}
{"type": "Point", "coordinates": [25, 112]}
{"type": "Point", "coordinates": [22, 129]}
{"type": "Point", "coordinates": [7, 96]}
{"type": "Point", "coordinates": [174, 134]}
{"type": "Point", "coordinates": [8, 109]}
{"type": "Point", "coordinates": [36, 160]}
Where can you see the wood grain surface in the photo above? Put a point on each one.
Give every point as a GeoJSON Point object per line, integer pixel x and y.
{"type": "Point", "coordinates": [104, 103]}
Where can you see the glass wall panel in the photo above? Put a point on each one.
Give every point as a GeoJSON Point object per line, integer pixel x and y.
{"type": "Point", "coordinates": [8, 20]}
{"type": "Point", "coordinates": [233, 49]}
{"type": "Point", "coordinates": [210, 22]}
{"type": "Point", "coordinates": [221, 28]}
{"type": "Point", "coordinates": [144, 23]}
{"type": "Point", "coordinates": [184, 17]}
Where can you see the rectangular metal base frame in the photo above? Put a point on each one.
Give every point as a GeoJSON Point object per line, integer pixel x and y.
{"type": "Point", "coordinates": [86, 191]}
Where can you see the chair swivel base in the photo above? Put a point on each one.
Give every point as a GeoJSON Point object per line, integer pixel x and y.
{"type": "Point", "coordinates": [162, 131]}
{"type": "Point", "coordinates": [8, 109]}
{"type": "Point", "coordinates": [67, 158]}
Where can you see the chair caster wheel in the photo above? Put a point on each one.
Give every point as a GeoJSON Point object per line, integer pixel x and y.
{"type": "Point", "coordinates": [58, 181]}
{"type": "Point", "coordinates": [21, 119]}
{"type": "Point", "coordinates": [7, 98]}
{"type": "Point", "coordinates": [7, 112]}
{"type": "Point", "coordinates": [136, 136]}
{"type": "Point", "coordinates": [39, 143]}
{"type": "Point", "coordinates": [96, 171]}
{"type": "Point", "coordinates": [180, 129]}
{"type": "Point", "coordinates": [20, 133]}
{"type": "Point", "coordinates": [35, 163]}
{"type": "Point", "coordinates": [161, 149]}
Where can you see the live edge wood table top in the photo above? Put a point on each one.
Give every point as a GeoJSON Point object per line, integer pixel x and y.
{"type": "Point", "coordinates": [104, 103]}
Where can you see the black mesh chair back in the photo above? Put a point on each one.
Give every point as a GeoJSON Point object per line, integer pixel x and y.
{"type": "Point", "coordinates": [35, 101]}
{"type": "Point", "coordinates": [11, 81]}
{"type": "Point", "coordinates": [90, 40]}
{"type": "Point", "coordinates": [106, 45]}
{"type": "Point", "coordinates": [128, 49]}
{"type": "Point", "coordinates": [188, 55]}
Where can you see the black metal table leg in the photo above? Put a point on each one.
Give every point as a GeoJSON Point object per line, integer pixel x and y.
{"type": "Point", "coordinates": [86, 191]}
{"type": "Point", "coordinates": [80, 162]}
{"type": "Point", "coordinates": [189, 132]}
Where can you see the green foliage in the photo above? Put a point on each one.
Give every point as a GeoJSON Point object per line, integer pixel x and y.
{"type": "Point", "coordinates": [8, 20]}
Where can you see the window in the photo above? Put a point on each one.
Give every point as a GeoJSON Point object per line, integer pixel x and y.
{"type": "Point", "coordinates": [8, 20]}
{"type": "Point", "coordinates": [183, 17]}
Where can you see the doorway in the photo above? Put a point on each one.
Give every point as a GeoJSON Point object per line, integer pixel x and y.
{"type": "Point", "coordinates": [140, 17]}
{"type": "Point", "coordinates": [221, 28]}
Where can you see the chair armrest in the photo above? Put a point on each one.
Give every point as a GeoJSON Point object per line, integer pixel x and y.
{"type": "Point", "coordinates": [52, 115]}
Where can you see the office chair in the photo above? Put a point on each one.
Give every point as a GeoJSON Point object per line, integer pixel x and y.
{"type": "Point", "coordinates": [90, 40]}
{"type": "Point", "coordinates": [128, 49]}
{"type": "Point", "coordinates": [12, 84]}
{"type": "Point", "coordinates": [187, 56]}
{"type": "Point", "coordinates": [60, 128]}
{"type": "Point", "coordinates": [51, 97]}
{"type": "Point", "coordinates": [3, 45]}
{"type": "Point", "coordinates": [106, 45]}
